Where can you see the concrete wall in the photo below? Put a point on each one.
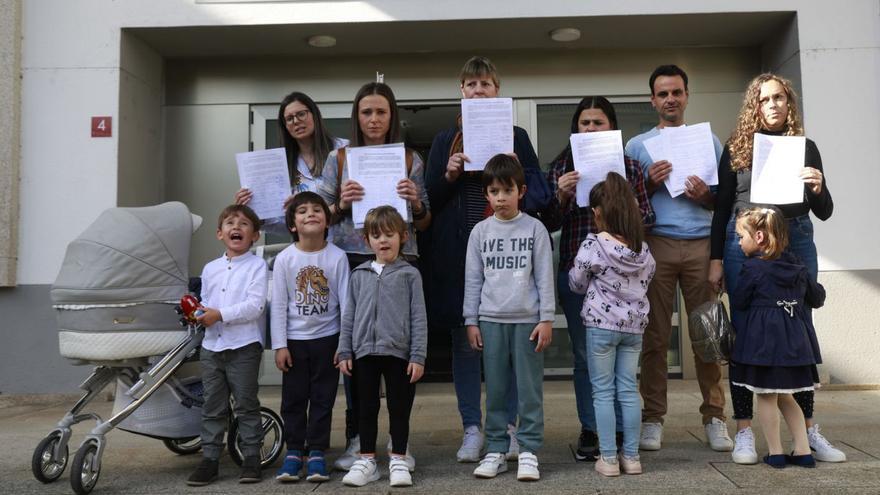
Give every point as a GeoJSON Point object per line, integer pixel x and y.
{"type": "Point", "coordinates": [10, 130]}
{"type": "Point", "coordinates": [30, 360]}
{"type": "Point", "coordinates": [141, 174]}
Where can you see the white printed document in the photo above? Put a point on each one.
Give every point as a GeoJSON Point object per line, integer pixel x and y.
{"type": "Point", "coordinates": [377, 169]}
{"type": "Point", "coordinates": [595, 154]}
{"type": "Point", "coordinates": [487, 128]}
{"type": "Point", "coordinates": [777, 162]}
{"type": "Point", "coordinates": [265, 173]}
{"type": "Point", "coordinates": [691, 151]}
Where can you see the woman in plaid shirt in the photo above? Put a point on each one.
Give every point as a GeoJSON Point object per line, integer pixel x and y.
{"type": "Point", "coordinates": [593, 113]}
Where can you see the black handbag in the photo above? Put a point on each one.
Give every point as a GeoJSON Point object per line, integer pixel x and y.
{"type": "Point", "coordinates": [711, 332]}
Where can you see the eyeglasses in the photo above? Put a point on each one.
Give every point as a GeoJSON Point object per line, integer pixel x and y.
{"type": "Point", "coordinates": [300, 116]}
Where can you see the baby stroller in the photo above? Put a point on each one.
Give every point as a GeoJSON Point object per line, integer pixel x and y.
{"type": "Point", "coordinates": [115, 300]}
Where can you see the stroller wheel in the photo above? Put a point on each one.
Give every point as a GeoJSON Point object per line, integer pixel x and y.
{"type": "Point", "coordinates": [86, 468]}
{"type": "Point", "coordinates": [273, 439]}
{"type": "Point", "coordinates": [183, 446]}
{"type": "Point", "coordinates": [45, 466]}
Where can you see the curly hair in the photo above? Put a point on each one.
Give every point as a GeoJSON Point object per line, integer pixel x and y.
{"type": "Point", "coordinates": [749, 121]}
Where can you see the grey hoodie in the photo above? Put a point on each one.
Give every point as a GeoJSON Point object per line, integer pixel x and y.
{"type": "Point", "coordinates": [385, 314]}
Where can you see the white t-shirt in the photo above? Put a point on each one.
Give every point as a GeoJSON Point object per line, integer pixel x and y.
{"type": "Point", "coordinates": [237, 288]}
{"type": "Point", "coordinates": [308, 290]}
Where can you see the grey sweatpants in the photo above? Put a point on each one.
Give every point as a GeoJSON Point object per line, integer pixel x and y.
{"type": "Point", "coordinates": [232, 371]}
{"type": "Point", "coordinates": [507, 349]}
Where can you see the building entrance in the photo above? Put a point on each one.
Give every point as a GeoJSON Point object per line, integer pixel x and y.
{"type": "Point", "coordinates": [420, 122]}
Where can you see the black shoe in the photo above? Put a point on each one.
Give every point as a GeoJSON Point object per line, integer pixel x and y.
{"type": "Point", "coordinates": [205, 473]}
{"type": "Point", "coordinates": [806, 460]}
{"type": "Point", "coordinates": [777, 461]}
{"type": "Point", "coordinates": [587, 447]}
{"type": "Point", "coordinates": [250, 470]}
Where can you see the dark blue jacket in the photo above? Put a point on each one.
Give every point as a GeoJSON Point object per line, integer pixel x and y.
{"type": "Point", "coordinates": [778, 330]}
{"type": "Point", "coordinates": [448, 234]}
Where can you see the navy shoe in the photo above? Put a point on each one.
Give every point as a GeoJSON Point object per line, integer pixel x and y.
{"type": "Point", "coordinates": [317, 467]}
{"type": "Point", "coordinates": [806, 461]}
{"type": "Point", "coordinates": [292, 467]}
{"type": "Point", "coordinates": [777, 461]}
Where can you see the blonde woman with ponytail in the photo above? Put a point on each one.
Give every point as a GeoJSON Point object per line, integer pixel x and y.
{"type": "Point", "coordinates": [776, 350]}
{"type": "Point", "coordinates": [770, 107]}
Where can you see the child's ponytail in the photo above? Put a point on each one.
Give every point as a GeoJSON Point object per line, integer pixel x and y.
{"type": "Point", "coordinates": [772, 222]}
{"type": "Point", "coordinates": [619, 209]}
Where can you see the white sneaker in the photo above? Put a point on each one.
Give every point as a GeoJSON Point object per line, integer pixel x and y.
{"type": "Point", "coordinates": [651, 437]}
{"type": "Point", "coordinates": [822, 448]}
{"type": "Point", "coordinates": [352, 453]}
{"type": "Point", "coordinates": [491, 465]}
{"type": "Point", "coordinates": [398, 472]}
{"type": "Point", "coordinates": [363, 471]}
{"type": "Point", "coordinates": [409, 459]}
{"type": "Point", "coordinates": [528, 467]}
{"type": "Point", "coordinates": [744, 450]}
{"type": "Point", "coordinates": [716, 434]}
{"type": "Point", "coordinates": [471, 445]}
{"type": "Point", "coordinates": [513, 450]}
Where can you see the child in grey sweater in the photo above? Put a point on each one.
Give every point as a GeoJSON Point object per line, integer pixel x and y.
{"type": "Point", "coordinates": [384, 334]}
{"type": "Point", "coordinates": [509, 308]}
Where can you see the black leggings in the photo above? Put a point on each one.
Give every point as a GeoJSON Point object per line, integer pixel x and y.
{"type": "Point", "coordinates": [399, 395]}
{"type": "Point", "coordinates": [743, 404]}
{"type": "Point", "coordinates": [308, 391]}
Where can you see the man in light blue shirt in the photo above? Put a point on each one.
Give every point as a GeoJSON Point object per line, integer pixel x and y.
{"type": "Point", "coordinates": [679, 242]}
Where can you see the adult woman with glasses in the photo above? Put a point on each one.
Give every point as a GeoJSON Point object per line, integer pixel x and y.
{"type": "Point", "coordinates": [307, 144]}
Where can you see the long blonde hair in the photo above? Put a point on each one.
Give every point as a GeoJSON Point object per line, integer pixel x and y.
{"type": "Point", "coordinates": [749, 121]}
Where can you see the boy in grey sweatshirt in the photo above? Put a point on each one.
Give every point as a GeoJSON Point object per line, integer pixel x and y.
{"type": "Point", "coordinates": [509, 309]}
{"type": "Point", "coordinates": [384, 334]}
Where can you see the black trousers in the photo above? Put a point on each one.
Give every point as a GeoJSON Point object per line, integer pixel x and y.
{"type": "Point", "coordinates": [399, 395]}
{"type": "Point", "coordinates": [308, 391]}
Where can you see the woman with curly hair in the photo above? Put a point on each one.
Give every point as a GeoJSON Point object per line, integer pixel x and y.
{"type": "Point", "coordinates": [769, 107]}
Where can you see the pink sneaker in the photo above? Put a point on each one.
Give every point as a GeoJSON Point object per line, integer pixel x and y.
{"type": "Point", "coordinates": [630, 465]}
{"type": "Point", "coordinates": [607, 466]}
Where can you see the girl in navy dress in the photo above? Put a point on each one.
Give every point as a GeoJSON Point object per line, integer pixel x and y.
{"type": "Point", "coordinates": [776, 351]}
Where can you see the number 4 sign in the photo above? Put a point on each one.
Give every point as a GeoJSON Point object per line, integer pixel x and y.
{"type": "Point", "coordinates": [102, 126]}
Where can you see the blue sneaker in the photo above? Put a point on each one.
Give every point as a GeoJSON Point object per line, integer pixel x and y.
{"type": "Point", "coordinates": [317, 467]}
{"type": "Point", "coordinates": [292, 467]}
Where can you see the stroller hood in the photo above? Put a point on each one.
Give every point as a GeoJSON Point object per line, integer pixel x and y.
{"type": "Point", "coordinates": [128, 256]}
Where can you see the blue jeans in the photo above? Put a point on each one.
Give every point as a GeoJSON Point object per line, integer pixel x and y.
{"type": "Point", "coordinates": [613, 363]}
{"type": "Point", "coordinates": [572, 303]}
{"type": "Point", "coordinates": [466, 378]}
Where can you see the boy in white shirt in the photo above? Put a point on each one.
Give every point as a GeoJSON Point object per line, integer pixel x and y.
{"type": "Point", "coordinates": [233, 301]}
{"type": "Point", "coordinates": [309, 285]}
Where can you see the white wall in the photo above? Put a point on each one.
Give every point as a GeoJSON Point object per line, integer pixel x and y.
{"type": "Point", "coordinates": [71, 70]}
{"type": "Point", "coordinates": [141, 173]}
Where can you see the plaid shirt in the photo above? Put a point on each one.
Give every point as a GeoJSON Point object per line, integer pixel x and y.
{"type": "Point", "coordinates": [577, 222]}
